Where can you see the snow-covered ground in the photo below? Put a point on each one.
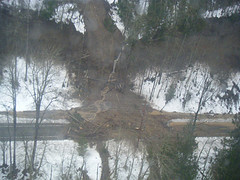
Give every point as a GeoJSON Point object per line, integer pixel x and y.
{"type": "Point", "coordinates": [181, 91]}
{"type": "Point", "coordinates": [69, 13]}
{"type": "Point", "coordinates": [126, 160]}
{"type": "Point", "coordinates": [67, 158]}
{"type": "Point", "coordinates": [206, 152]}
{"type": "Point", "coordinates": [64, 13]}
{"type": "Point", "coordinates": [115, 17]}
{"type": "Point", "coordinates": [33, 4]}
{"type": "Point", "coordinates": [58, 89]}
{"type": "Point", "coordinates": [60, 159]}
{"type": "Point", "coordinates": [228, 11]}
{"type": "Point", "coordinates": [141, 8]}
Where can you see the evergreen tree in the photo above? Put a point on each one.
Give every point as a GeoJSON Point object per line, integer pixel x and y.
{"type": "Point", "coordinates": [227, 162]}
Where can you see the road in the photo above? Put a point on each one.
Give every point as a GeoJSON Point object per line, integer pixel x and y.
{"type": "Point", "coordinates": [25, 131]}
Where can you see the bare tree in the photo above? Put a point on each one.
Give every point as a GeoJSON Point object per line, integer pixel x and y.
{"type": "Point", "coordinates": [12, 86]}
{"type": "Point", "coordinates": [41, 77]}
{"type": "Point", "coordinates": [3, 147]}
{"type": "Point", "coordinates": [206, 94]}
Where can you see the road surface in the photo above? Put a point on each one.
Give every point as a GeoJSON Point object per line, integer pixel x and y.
{"type": "Point", "coordinates": [25, 131]}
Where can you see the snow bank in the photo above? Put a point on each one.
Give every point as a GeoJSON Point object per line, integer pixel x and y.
{"type": "Point", "coordinates": [181, 91]}
{"type": "Point", "coordinates": [59, 89]}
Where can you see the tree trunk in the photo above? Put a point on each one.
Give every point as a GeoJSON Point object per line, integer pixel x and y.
{"type": "Point", "coordinates": [10, 143]}
{"type": "Point", "coordinates": [203, 95]}
{"type": "Point", "coordinates": [27, 42]}
{"type": "Point", "coordinates": [103, 152]}
{"type": "Point", "coordinates": [36, 135]}
{"type": "Point", "coordinates": [4, 153]}
{"type": "Point", "coordinates": [140, 92]}
{"type": "Point", "coordinates": [14, 99]}
{"type": "Point", "coordinates": [154, 86]}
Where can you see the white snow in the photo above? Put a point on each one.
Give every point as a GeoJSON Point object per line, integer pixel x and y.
{"type": "Point", "coordinates": [33, 4]}
{"type": "Point", "coordinates": [187, 85]}
{"type": "Point", "coordinates": [65, 13]}
{"type": "Point", "coordinates": [61, 159]}
{"type": "Point", "coordinates": [111, 1]}
{"type": "Point", "coordinates": [64, 158]}
{"type": "Point", "coordinates": [126, 160]}
{"type": "Point", "coordinates": [115, 17]}
{"type": "Point", "coordinates": [142, 7]}
{"type": "Point", "coordinates": [69, 13]}
{"type": "Point", "coordinates": [117, 20]}
{"type": "Point", "coordinates": [93, 163]}
{"type": "Point", "coordinates": [206, 152]}
{"type": "Point", "coordinates": [55, 89]}
{"type": "Point", "coordinates": [228, 11]}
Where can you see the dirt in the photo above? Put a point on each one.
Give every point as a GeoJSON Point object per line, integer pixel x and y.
{"type": "Point", "coordinates": [130, 112]}
{"type": "Point", "coordinates": [207, 129]}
